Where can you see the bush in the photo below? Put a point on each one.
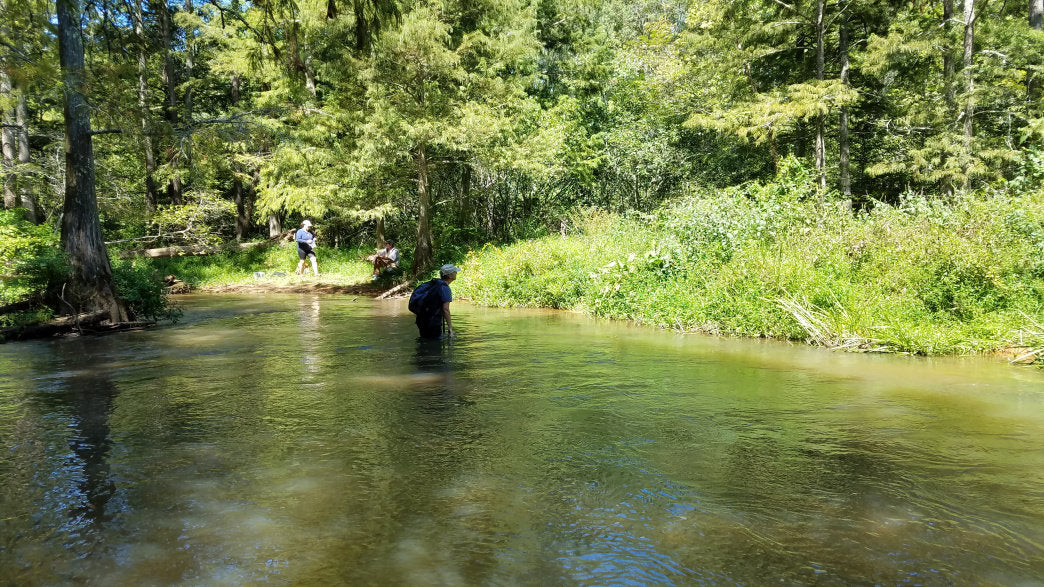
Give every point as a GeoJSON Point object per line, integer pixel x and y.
{"type": "Point", "coordinates": [31, 258]}
{"type": "Point", "coordinates": [143, 290]}
{"type": "Point", "coordinates": [766, 260]}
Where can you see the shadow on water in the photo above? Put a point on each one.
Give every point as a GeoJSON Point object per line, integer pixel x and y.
{"type": "Point", "coordinates": [82, 396]}
{"type": "Point", "coordinates": [88, 398]}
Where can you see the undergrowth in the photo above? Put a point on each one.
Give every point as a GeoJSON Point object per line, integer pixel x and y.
{"type": "Point", "coordinates": [765, 260]}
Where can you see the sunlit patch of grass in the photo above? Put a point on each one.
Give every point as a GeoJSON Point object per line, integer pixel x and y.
{"type": "Point", "coordinates": [275, 264]}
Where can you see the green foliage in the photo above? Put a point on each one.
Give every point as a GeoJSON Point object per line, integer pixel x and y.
{"type": "Point", "coordinates": [31, 258]}
{"type": "Point", "coordinates": [142, 288]}
{"type": "Point", "coordinates": [237, 267]}
{"type": "Point", "coordinates": [764, 260]}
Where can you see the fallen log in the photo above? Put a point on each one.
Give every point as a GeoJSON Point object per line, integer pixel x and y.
{"type": "Point", "coordinates": [16, 307]}
{"type": "Point", "coordinates": [186, 251]}
{"type": "Point", "coordinates": [59, 325]}
{"type": "Point", "coordinates": [393, 290]}
{"type": "Point", "coordinates": [93, 322]}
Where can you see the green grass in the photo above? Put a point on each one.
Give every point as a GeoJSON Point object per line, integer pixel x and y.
{"type": "Point", "coordinates": [924, 278]}
{"type": "Point", "coordinates": [336, 267]}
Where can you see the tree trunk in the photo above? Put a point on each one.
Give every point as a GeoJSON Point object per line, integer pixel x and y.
{"type": "Point", "coordinates": [275, 226]}
{"type": "Point", "coordinates": [969, 86]}
{"type": "Point", "coordinates": [190, 63]}
{"type": "Point", "coordinates": [362, 28]}
{"type": "Point", "coordinates": [151, 194]}
{"type": "Point", "coordinates": [310, 78]}
{"type": "Point", "coordinates": [949, 94]}
{"type": "Point", "coordinates": [190, 67]}
{"type": "Point", "coordinates": [90, 284]}
{"type": "Point", "coordinates": [250, 198]}
{"type": "Point", "coordinates": [239, 201]}
{"type": "Point", "coordinates": [28, 199]}
{"type": "Point", "coordinates": [380, 232]}
{"type": "Point", "coordinates": [948, 65]}
{"type": "Point", "coordinates": [1033, 79]}
{"type": "Point", "coordinates": [170, 110]}
{"type": "Point", "coordinates": [842, 131]}
{"type": "Point", "coordinates": [820, 119]}
{"type": "Point", "coordinates": [8, 139]}
{"type": "Point", "coordinates": [423, 255]}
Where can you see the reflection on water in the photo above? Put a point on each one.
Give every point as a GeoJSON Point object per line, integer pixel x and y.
{"type": "Point", "coordinates": [315, 439]}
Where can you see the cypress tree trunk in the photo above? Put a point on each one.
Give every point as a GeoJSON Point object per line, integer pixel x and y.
{"type": "Point", "coordinates": [820, 75]}
{"type": "Point", "coordinates": [242, 198]}
{"type": "Point", "coordinates": [170, 110]}
{"type": "Point", "coordinates": [422, 254]}
{"type": "Point", "coordinates": [1033, 81]}
{"type": "Point", "coordinates": [28, 200]}
{"type": "Point", "coordinates": [842, 131]}
{"type": "Point", "coordinates": [949, 93]}
{"type": "Point", "coordinates": [167, 71]}
{"type": "Point", "coordinates": [190, 68]}
{"type": "Point", "coordinates": [275, 226]}
{"type": "Point", "coordinates": [90, 284]}
{"type": "Point", "coordinates": [969, 86]}
{"type": "Point", "coordinates": [8, 140]}
{"type": "Point", "coordinates": [151, 195]}
{"type": "Point", "coordinates": [239, 201]}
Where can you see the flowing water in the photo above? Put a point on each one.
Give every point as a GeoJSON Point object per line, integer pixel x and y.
{"type": "Point", "coordinates": [303, 440]}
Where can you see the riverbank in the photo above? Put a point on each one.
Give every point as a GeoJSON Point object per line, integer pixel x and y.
{"type": "Point", "coordinates": [766, 261]}
{"type": "Point", "coordinates": [271, 269]}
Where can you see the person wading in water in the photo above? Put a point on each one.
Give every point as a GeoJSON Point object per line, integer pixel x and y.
{"type": "Point", "coordinates": [431, 302]}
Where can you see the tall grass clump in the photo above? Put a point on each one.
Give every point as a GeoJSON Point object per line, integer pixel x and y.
{"type": "Point", "coordinates": [922, 277]}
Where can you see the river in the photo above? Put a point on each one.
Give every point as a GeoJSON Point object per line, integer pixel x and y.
{"type": "Point", "coordinates": [299, 439]}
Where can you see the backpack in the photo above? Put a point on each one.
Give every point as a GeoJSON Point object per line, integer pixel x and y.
{"type": "Point", "coordinates": [419, 302]}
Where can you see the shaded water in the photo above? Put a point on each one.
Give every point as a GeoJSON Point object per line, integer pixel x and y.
{"type": "Point", "coordinates": [312, 439]}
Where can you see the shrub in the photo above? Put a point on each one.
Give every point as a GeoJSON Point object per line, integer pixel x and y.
{"type": "Point", "coordinates": [143, 290]}
{"type": "Point", "coordinates": [31, 258]}
{"type": "Point", "coordinates": [766, 260]}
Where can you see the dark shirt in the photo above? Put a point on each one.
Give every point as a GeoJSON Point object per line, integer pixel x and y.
{"type": "Point", "coordinates": [445, 295]}
{"type": "Point", "coordinates": [430, 325]}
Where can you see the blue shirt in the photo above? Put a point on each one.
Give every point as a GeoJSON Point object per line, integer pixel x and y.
{"type": "Point", "coordinates": [445, 295]}
{"type": "Point", "coordinates": [303, 236]}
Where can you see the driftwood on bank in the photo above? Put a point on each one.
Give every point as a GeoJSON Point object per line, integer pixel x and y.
{"type": "Point", "coordinates": [393, 290]}
{"type": "Point", "coordinates": [93, 322]}
{"type": "Point", "coordinates": [187, 251]}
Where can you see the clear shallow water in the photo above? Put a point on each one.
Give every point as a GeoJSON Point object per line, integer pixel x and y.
{"type": "Point", "coordinates": [311, 439]}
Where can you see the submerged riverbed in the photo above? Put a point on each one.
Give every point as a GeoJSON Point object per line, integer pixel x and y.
{"type": "Point", "coordinates": [308, 439]}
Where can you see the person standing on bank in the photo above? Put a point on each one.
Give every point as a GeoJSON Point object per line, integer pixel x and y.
{"type": "Point", "coordinates": [306, 247]}
{"type": "Point", "coordinates": [435, 307]}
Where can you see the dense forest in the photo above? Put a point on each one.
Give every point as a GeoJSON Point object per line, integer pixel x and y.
{"type": "Point", "coordinates": [453, 123]}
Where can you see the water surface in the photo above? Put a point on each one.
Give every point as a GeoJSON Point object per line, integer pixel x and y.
{"type": "Point", "coordinates": [303, 439]}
